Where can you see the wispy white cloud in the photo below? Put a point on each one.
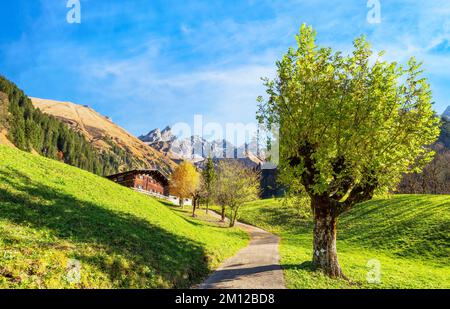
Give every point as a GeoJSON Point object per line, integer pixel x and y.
{"type": "Point", "coordinates": [147, 64]}
{"type": "Point", "coordinates": [220, 94]}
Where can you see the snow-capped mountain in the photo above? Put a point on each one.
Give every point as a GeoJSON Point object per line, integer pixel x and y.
{"type": "Point", "coordinates": [157, 135]}
{"type": "Point", "coordinates": [196, 149]}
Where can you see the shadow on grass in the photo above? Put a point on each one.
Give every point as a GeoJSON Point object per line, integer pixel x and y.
{"type": "Point", "coordinates": [177, 260]}
{"type": "Point", "coordinates": [282, 218]}
{"type": "Point", "coordinates": [231, 274]}
{"type": "Point", "coordinates": [409, 226]}
{"type": "Point", "coordinates": [167, 203]}
{"type": "Point", "coordinates": [183, 214]}
{"type": "Point", "coordinates": [186, 215]}
{"type": "Point", "coordinates": [306, 266]}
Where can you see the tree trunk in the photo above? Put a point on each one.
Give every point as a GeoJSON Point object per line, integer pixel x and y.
{"type": "Point", "coordinates": [223, 214]}
{"type": "Point", "coordinates": [325, 253]}
{"type": "Point", "coordinates": [234, 213]}
{"type": "Point", "coordinates": [233, 218]}
{"type": "Point", "coordinates": [193, 208]}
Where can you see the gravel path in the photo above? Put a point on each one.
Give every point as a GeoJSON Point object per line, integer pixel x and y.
{"type": "Point", "coordinates": [257, 266]}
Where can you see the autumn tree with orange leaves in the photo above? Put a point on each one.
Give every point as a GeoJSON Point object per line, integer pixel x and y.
{"type": "Point", "coordinates": [184, 181]}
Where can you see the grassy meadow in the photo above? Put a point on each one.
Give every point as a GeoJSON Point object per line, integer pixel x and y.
{"type": "Point", "coordinates": [53, 216]}
{"type": "Point", "coordinates": [408, 234]}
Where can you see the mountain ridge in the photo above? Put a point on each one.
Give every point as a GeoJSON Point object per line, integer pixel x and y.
{"type": "Point", "coordinates": [447, 112]}
{"type": "Point", "coordinates": [105, 135]}
{"type": "Point", "coordinates": [196, 149]}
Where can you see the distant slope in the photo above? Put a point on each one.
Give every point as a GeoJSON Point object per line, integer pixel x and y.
{"type": "Point", "coordinates": [444, 137]}
{"type": "Point", "coordinates": [27, 128]}
{"type": "Point", "coordinates": [105, 135]}
{"type": "Point", "coordinates": [408, 234]}
{"type": "Point", "coordinates": [447, 112]}
{"type": "Point", "coordinates": [197, 149]}
{"type": "Point", "coordinates": [54, 217]}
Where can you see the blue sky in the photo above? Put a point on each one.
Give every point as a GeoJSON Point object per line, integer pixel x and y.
{"type": "Point", "coordinates": [150, 63]}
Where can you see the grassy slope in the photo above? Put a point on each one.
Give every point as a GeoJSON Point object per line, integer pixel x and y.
{"type": "Point", "coordinates": [96, 127]}
{"type": "Point", "coordinates": [51, 213]}
{"type": "Point", "coordinates": [408, 234]}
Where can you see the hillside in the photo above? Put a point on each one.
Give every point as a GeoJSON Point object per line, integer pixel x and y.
{"type": "Point", "coordinates": [4, 114]}
{"type": "Point", "coordinates": [105, 135]}
{"type": "Point", "coordinates": [444, 137]}
{"type": "Point", "coordinates": [54, 216]}
{"type": "Point", "coordinates": [25, 127]}
{"type": "Point", "coordinates": [408, 234]}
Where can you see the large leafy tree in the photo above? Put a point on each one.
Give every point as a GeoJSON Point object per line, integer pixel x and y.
{"type": "Point", "coordinates": [349, 126]}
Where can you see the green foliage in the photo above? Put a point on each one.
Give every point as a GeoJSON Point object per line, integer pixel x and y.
{"type": "Point", "coordinates": [236, 184]}
{"type": "Point", "coordinates": [4, 114]}
{"type": "Point", "coordinates": [209, 180]}
{"type": "Point", "coordinates": [29, 129]}
{"type": "Point", "coordinates": [408, 234]}
{"type": "Point", "coordinates": [299, 201]}
{"type": "Point", "coordinates": [348, 125]}
{"type": "Point", "coordinates": [51, 213]}
{"type": "Point", "coordinates": [117, 158]}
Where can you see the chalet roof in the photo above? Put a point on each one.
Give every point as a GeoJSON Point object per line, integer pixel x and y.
{"type": "Point", "coordinates": [160, 174]}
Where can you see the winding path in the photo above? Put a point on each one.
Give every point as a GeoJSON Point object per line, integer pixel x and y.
{"type": "Point", "coordinates": [257, 266]}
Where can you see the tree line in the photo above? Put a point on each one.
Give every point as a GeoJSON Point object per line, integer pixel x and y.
{"type": "Point", "coordinates": [435, 177]}
{"type": "Point", "coordinates": [31, 130]}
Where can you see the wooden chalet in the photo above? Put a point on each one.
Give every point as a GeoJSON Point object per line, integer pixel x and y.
{"type": "Point", "coordinates": [152, 182]}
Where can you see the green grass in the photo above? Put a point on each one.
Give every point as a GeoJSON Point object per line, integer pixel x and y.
{"type": "Point", "coordinates": [408, 234]}
{"type": "Point", "coordinates": [52, 213]}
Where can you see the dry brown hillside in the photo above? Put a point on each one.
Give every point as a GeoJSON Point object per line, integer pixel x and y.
{"type": "Point", "coordinates": [105, 134]}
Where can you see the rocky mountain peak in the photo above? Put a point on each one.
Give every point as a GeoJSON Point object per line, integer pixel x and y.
{"type": "Point", "coordinates": [196, 148]}
{"type": "Point", "coordinates": [167, 135]}
{"type": "Point", "coordinates": [157, 136]}
{"type": "Point", "coordinates": [447, 112]}
{"type": "Point", "coordinates": [152, 136]}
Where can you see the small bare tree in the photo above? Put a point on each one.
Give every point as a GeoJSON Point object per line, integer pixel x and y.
{"type": "Point", "coordinates": [236, 184]}
{"type": "Point", "coordinates": [209, 178]}
{"type": "Point", "coordinates": [200, 195]}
